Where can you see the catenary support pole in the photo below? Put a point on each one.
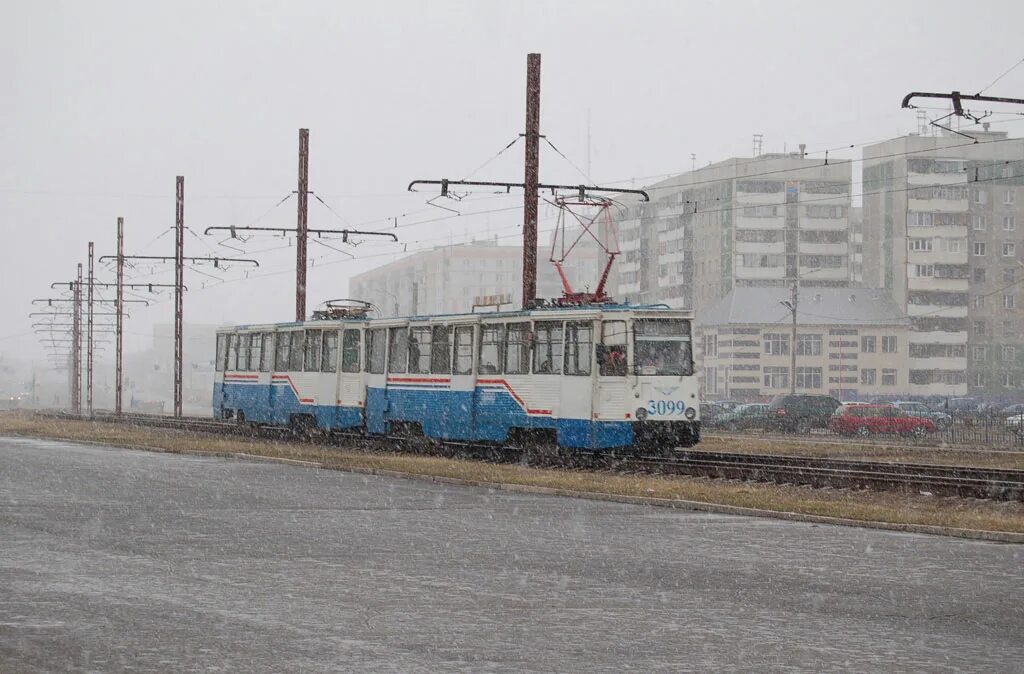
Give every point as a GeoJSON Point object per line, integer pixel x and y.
{"type": "Point", "coordinates": [179, 282]}
{"type": "Point", "coordinates": [119, 364]}
{"type": "Point", "coordinates": [792, 344]}
{"type": "Point", "coordinates": [531, 178]}
{"type": "Point", "coordinates": [302, 226]}
{"type": "Point", "coordinates": [88, 339]}
{"type": "Point", "coordinates": [76, 346]}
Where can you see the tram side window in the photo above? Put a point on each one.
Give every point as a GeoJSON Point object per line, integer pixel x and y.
{"type": "Point", "coordinates": [232, 352]}
{"type": "Point", "coordinates": [284, 350]}
{"type": "Point", "coordinates": [464, 349]}
{"type": "Point", "coordinates": [222, 352]}
{"type": "Point", "coordinates": [350, 351]}
{"type": "Point", "coordinates": [441, 350]}
{"type": "Point", "coordinates": [491, 338]}
{"type": "Point", "coordinates": [243, 353]}
{"type": "Point", "coordinates": [297, 351]}
{"type": "Point", "coordinates": [255, 351]}
{"type": "Point", "coordinates": [517, 348]}
{"type": "Point", "coordinates": [266, 363]}
{"type": "Point", "coordinates": [547, 347]}
{"type": "Point", "coordinates": [314, 344]}
{"type": "Point", "coordinates": [375, 350]}
{"type": "Point", "coordinates": [611, 352]}
{"type": "Point", "coordinates": [329, 359]}
{"type": "Point", "coordinates": [398, 350]}
{"type": "Point", "coordinates": [579, 342]}
{"type": "Point", "coordinates": [419, 350]}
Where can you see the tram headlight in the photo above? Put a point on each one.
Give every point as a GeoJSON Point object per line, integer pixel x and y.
{"type": "Point", "coordinates": [641, 413]}
{"type": "Point", "coordinates": [690, 413]}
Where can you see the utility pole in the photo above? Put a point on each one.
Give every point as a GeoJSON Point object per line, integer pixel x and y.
{"type": "Point", "coordinates": [76, 348]}
{"type": "Point", "coordinates": [88, 352]}
{"type": "Point", "coordinates": [119, 363]}
{"type": "Point", "coordinates": [179, 278]}
{"type": "Point", "coordinates": [792, 356]}
{"type": "Point", "coordinates": [531, 178]}
{"type": "Point", "coordinates": [301, 227]}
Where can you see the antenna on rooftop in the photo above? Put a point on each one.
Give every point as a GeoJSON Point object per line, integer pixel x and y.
{"type": "Point", "coordinates": [758, 143]}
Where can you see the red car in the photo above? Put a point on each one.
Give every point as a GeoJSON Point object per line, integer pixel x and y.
{"type": "Point", "coordinates": [867, 419]}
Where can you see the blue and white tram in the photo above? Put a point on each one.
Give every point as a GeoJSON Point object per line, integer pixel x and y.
{"type": "Point", "coordinates": [595, 377]}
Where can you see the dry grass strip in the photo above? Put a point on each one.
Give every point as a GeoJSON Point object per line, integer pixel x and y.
{"type": "Point", "coordinates": [864, 506]}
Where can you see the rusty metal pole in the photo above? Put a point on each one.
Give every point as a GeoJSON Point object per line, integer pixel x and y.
{"type": "Point", "coordinates": [302, 228]}
{"type": "Point", "coordinates": [118, 367]}
{"type": "Point", "coordinates": [179, 282]}
{"type": "Point", "coordinates": [88, 339]}
{"type": "Point", "coordinates": [531, 179]}
{"type": "Point", "coordinates": [76, 346]}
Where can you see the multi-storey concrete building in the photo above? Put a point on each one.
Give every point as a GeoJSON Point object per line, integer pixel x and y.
{"type": "Point", "coordinates": [941, 235]}
{"type": "Point", "coordinates": [851, 343]}
{"type": "Point", "coordinates": [448, 279]}
{"type": "Point", "coordinates": [738, 223]}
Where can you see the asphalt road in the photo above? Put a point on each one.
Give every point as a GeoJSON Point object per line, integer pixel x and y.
{"type": "Point", "coordinates": [116, 560]}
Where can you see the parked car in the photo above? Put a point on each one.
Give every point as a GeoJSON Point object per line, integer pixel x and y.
{"type": "Point", "coordinates": [916, 409]}
{"type": "Point", "coordinates": [1015, 423]}
{"type": "Point", "coordinates": [800, 412]}
{"type": "Point", "coordinates": [962, 405]}
{"type": "Point", "coordinates": [709, 414]}
{"type": "Point", "coordinates": [1013, 410]}
{"type": "Point", "coordinates": [728, 405]}
{"type": "Point", "coordinates": [751, 415]}
{"type": "Point", "coordinates": [866, 420]}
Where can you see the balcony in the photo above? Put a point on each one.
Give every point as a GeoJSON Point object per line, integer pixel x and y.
{"type": "Point", "coordinates": [938, 256]}
{"type": "Point", "coordinates": [760, 198]}
{"type": "Point", "coordinates": [933, 283]}
{"type": "Point", "coordinates": [815, 199]}
{"type": "Point", "coordinates": [919, 179]}
{"type": "Point", "coordinates": [822, 248]}
{"type": "Point", "coordinates": [939, 363]}
{"type": "Point", "coordinates": [936, 337]}
{"type": "Point", "coordinates": [761, 248]}
{"type": "Point", "coordinates": [831, 224]}
{"type": "Point", "coordinates": [936, 311]}
{"type": "Point", "coordinates": [938, 205]}
{"type": "Point", "coordinates": [810, 274]}
{"type": "Point", "coordinates": [746, 222]}
{"type": "Point", "coordinates": [758, 273]}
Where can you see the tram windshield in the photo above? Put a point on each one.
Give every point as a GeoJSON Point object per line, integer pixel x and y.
{"type": "Point", "coordinates": [662, 347]}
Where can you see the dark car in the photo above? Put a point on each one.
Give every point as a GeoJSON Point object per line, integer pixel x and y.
{"type": "Point", "coordinates": [709, 414]}
{"type": "Point", "coordinates": [800, 412]}
{"type": "Point", "coordinates": [752, 415]}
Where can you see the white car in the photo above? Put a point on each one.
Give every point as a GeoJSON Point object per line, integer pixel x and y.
{"type": "Point", "coordinates": [1015, 423]}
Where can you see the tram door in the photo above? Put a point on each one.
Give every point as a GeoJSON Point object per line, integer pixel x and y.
{"type": "Point", "coordinates": [458, 421]}
{"type": "Point", "coordinates": [576, 408]}
{"type": "Point", "coordinates": [376, 380]}
{"type": "Point", "coordinates": [327, 380]}
{"type": "Point", "coordinates": [351, 383]}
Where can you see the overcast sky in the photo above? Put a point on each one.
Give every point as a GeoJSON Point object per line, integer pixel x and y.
{"type": "Point", "coordinates": [106, 102]}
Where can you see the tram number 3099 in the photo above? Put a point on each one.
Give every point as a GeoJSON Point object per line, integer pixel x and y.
{"type": "Point", "coordinates": [664, 408]}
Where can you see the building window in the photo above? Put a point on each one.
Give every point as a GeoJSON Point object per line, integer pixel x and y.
{"type": "Point", "coordinates": [924, 270]}
{"type": "Point", "coordinates": [776, 377]}
{"type": "Point", "coordinates": [979, 275]}
{"type": "Point", "coordinates": [776, 344]}
{"type": "Point", "coordinates": [889, 344]}
{"type": "Point", "coordinates": [979, 302]}
{"type": "Point", "coordinates": [710, 346]}
{"type": "Point", "coordinates": [1007, 301]}
{"type": "Point", "coordinates": [1009, 197]}
{"type": "Point", "coordinates": [1009, 354]}
{"type": "Point", "coordinates": [978, 353]}
{"type": "Point", "coordinates": [1009, 223]}
{"type": "Point", "coordinates": [980, 196]}
{"type": "Point", "coordinates": [1009, 275]}
{"type": "Point", "coordinates": [979, 327]}
{"type": "Point", "coordinates": [868, 344]}
{"type": "Point", "coordinates": [808, 378]}
{"type": "Point", "coordinates": [710, 380]}
{"type": "Point", "coordinates": [952, 245]}
{"type": "Point", "coordinates": [1009, 380]}
{"type": "Point", "coordinates": [867, 377]}
{"type": "Point", "coordinates": [1009, 327]}
{"type": "Point", "coordinates": [888, 377]}
{"type": "Point", "coordinates": [979, 249]}
{"type": "Point", "coordinates": [980, 223]}
{"type": "Point", "coordinates": [920, 244]}
{"type": "Point", "coordinates": [979, 378]}
{"type": "Point", "coordinates": [1009, 249]}
{"type": "Point", "coordinates": [808, 345]}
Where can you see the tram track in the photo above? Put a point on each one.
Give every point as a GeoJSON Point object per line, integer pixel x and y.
{"type": "Point", "coordinates": [932, 479]}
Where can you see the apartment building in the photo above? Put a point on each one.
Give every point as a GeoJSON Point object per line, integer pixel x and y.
{"type": "Point", "coordinates": [448, 279]}
{"type": "Point", "coordinates": [942, 218]}
{"type": "Point", "coordinates": [851, 343]}
{"type": "Point", "coordinates": [740, 223]}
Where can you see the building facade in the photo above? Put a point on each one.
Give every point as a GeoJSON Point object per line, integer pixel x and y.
{"type": "Point", "coordinates": [760, 222]}
{"type": "Point", "coordinates": [941, 234]}
{"type": "Point", "coordinates": [851, 344]}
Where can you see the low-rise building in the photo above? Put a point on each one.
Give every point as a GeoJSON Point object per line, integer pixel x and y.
{"type": "Point", "coordinates": [851, 343]}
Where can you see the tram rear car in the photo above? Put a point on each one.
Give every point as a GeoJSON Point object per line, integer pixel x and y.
{"type": "Point", "coordinates": [594, 378]}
